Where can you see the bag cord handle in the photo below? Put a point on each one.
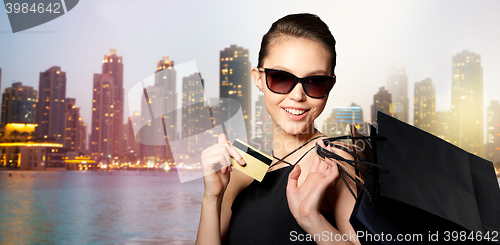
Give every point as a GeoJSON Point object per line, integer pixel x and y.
{"type": "Point", "coordinates": [343, 172]}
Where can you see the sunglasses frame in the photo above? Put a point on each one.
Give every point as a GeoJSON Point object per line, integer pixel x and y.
{"type": "Point", "coordinates": [297, 80]}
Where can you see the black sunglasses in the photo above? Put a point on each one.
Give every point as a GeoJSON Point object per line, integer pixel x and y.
{"type": "Point", "coordinates": [282, 82]}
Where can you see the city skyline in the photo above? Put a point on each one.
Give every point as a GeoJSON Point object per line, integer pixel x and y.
{"type": "Point", "coordinates": [165, 87]}
{"type": "Point", "coordinates": [421, 48]}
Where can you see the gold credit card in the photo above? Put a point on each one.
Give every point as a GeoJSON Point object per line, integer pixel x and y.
{"type": "Point", "coordinates": [257, 163]}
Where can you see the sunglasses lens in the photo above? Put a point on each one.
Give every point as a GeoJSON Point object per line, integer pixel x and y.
{"type": "Point", "coordinates": [280, 82]}
{"type": "Point", "coordinates": [318, 86]}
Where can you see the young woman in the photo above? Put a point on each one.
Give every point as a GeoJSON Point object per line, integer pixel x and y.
{"type": "Point", "coordinates": [302, 194]}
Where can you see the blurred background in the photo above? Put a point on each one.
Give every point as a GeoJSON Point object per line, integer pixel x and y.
{"type": "Point", "coordinates": [65, 103]}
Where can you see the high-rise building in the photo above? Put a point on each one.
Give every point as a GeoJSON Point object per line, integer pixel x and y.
{"type": "Point", "coordinates": [493, 132]}
{"type": "Point", "coordinates": [19, 104]}
{"type": "Point", "coordinates": [112, 66]}
{"type": "Point", "coordinates": [467, 102]}
{"type": "Point", "coordinates": [161, 100]}
{"type": "Point", "coordinates": [50, 114]}
{"type": "Point", "coordinates": [235, 81]}
{"type": "Point", "coordinates": [340, 119]}
{"type": "Point", "coordinates": [131, 144]}
{"type": "Point", "coordinates": [72, 135]}
{"type": "Point", "coordinates": [263, 138]}
{"type": "Point", "coordinates": [152, 141]}
{"type": "Point", "coordinates": [103, 117]}
{"type": "Point", "coordinates": [193, 106]}
{"type": "Point", "coordinates": [350, 114]}
{"type": "Point", "coordinates": [397, 85]}
{"type": "Point", "coordinates": [424, 106]}
{"type": "Point", "coordinates": [81, 147]}
{"type": "Point", "coordinates": [442, 127]}
{"type": "Point", "coordinates": [382, 101]}
{"type": "Point", "coordinates": [0, 82]}
{"type": "Point", "coordinates": [165, 79]}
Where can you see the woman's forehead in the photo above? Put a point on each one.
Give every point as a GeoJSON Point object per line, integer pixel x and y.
{"type": "Point", "coordinates": [300, 56]}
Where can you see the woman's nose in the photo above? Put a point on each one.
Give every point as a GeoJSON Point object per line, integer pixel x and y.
{"type": "Point", "coordinates": [297, 93]}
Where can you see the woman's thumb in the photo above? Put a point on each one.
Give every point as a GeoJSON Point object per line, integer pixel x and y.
{"type": "Point", "coordinates": [293, 177]}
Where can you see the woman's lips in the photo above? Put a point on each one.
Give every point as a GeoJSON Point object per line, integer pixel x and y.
{"type": "Point", "coordinates": [293, 116]}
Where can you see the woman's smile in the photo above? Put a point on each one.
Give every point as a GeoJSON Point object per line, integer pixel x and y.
{"type": "Point", "coordinates": [295, 114]}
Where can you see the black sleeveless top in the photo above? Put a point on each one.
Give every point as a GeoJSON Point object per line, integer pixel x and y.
{"type": "Point", "coordinates": [260, 213]}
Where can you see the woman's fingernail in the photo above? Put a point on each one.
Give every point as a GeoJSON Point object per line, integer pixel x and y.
{"type": "Point", "coordinates": [242, 162]}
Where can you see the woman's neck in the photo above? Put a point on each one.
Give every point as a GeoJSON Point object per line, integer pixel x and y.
{"type": "Point", "coordinates": [284, 143]}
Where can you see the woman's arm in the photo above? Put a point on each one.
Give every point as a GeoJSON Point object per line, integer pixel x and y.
{"type": "Point", "coordinates": [219, 190]}
{"type": "Point", "coordinates": [305, 200]}
{"type": "Point", "coordinates": [341, 203]}
{"type": "Point", "coordinates": [209, 229]}
{"type": "Point", "coordinates": [216, 213]}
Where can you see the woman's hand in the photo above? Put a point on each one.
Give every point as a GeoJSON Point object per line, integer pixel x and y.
{"type": "Point", "coordinates": [216, 164]}
{"type": "Point", "coordinates": [304, 201]}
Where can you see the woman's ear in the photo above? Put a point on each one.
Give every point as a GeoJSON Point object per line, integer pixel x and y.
{"type": "Point", "coordinates": [257, 78]}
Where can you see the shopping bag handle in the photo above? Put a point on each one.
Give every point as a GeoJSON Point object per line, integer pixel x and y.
{"type": "Point", "coordinates": [324, 153]}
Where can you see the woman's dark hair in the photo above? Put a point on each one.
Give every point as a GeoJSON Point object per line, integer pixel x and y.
{"type": "Point", "coordinates": [305, 25]}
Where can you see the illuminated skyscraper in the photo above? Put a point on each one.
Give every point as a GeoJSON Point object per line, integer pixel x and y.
{"type": "Point", "coordinates": [151, 147]}
{"type": "Point", "coordinates": [165, 78]}
{"type": "Point", "coordinates": [235, 81]}
{"type": "Point", "coordinates": [50, 115]}
{"type": "Point", "coordinates": [19, 104]}
{"type": "Point", "coordinates": [112, 66]}
{"type": "Point", "coordinates": [0, 80]}
{"type": "Point", "coordinates": [382, 101]}
{"type": "Point", "coordinates": [397, 85]}
{"type": "Point", "coordinates": [193, 106]}
{"type": "Point", "coordinates": [424, 106]}
{"type": "Point", "coordinates": [81, 146]}
{"type": "Point", "coordinates": [340, 119]}
{"type": "Point", "coordinates": [103, 117]}
{"type": "Point", "coordinates": [350, 114]}
{"type": "Point", "coordinates": [162, 99]}
{"type": "Point", "coordinates": [131, 145]}
{"type": "Point", "coordinates": [442, 125]}
{"type": "Point", "coordinates": [467, 102]}
{"type": "Point", "coordinates": [74, 132]}
{"type": "Point", "coordinates": [493, 132]}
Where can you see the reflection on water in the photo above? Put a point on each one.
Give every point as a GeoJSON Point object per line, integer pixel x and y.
{"type": "Point", "coordinates": [98, 207]}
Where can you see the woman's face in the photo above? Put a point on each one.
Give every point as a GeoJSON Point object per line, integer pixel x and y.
{"type": "Point", "coordinates": [301, 57]}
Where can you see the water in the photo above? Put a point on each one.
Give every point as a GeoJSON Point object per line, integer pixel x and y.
{"type": "Point", "coordinates": [96, 207]}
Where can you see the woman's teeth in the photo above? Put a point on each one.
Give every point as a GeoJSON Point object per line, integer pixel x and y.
{"type": "Point", "coordinates": [295, 112]}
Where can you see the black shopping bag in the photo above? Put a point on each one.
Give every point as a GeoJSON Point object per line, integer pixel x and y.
{"type": "Point", "coordinates": [418, 189]}
{"type": "Point", "coordinates": [432, 192]}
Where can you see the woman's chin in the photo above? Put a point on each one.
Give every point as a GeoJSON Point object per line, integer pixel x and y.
{"type": "Point", "coordinates": [298, 130]}
{"type": "Point", "coordinates": [293, 127]}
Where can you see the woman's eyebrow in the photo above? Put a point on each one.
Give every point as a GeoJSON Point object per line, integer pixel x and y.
{"type": "Point", "coordinates": [281, 68]}
{"type": "Point", "coordinates": [316, 72]}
